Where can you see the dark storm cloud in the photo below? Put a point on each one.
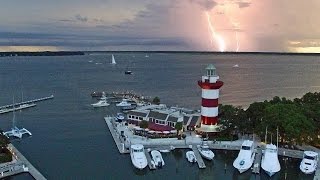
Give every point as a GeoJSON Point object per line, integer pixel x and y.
{"type": "Point", "coordinates": [206, 4]}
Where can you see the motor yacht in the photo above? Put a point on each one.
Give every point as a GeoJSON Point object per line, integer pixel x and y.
{"type": "Point", "coordinates": [245, 157]}
{"type": "Point", "coordinates": [309, 162]}
{"type": "Point", "coordinates": [123, 103]}
{"type": "Point", "coordinates": [101, 103]}
{"type": "Point", "coordinates": [270, 162]}
{"type": "Point", "coordinates": [205, 152]}
{"type": "Point", "coordinates": [138, 158]}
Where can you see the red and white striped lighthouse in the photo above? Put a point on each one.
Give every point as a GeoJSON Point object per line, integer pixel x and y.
{"type": "Point", "coordinates": [210, 86]}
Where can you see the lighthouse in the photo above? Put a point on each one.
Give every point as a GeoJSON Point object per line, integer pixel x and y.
{"type": "Point", "coordinates": [210, 86]}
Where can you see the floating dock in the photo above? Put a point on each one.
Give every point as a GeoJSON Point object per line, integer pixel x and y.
{"type": "Point", "coordinates": [23, 106]}
{"type": "Point", "coordinates": [31, 169]}
{"type": "Point", "coordinates": [27, 102]}
{"type": "Point", "coordinates": [290, 153]}
{"type": "Point", "coordinates": [257, 161]}
{"type": "Point", "coordinates": [200, 161]}
{"type": "Point", "coordinates": [116, 136]}
{"type": "Point", "coordinates": [12, 168]}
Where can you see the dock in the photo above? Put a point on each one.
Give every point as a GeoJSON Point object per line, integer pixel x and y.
{"type": "Point", "coordinates": [257, 161]}
{"type": "Point", "coordinates": [31, 169]}
{"type": "Point", "coordinates": [317, 173]}
{"type": "Point", "coordinates": [12, 168]}
{"type": "Point", "coordinates": [290, 153]}
{"type": "Point", "coordinates": [116, 136]}
{"type": "Point", "coordinates": [200, 161]}
{"type": "Point", "coordinates": [24, 106]}
{"type": "Point", "coordinates": [27, 102]}
{"type": "Point", "coordinates": [150, 164]}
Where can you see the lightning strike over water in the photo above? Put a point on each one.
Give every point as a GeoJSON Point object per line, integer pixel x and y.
{"type": "Point", "coordinates": [215, 36]}
{"type": "Point", "coordinates": [234, 26]}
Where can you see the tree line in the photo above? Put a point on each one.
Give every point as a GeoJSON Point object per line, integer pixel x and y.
{"type": "Point", "coordinates": [298, 120]}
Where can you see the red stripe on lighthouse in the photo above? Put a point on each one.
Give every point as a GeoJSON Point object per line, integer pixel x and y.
{"type": "Point", "coordinates": [208, 85]}
{"type": "Point", "coordinates": [209, 102]}
{"type": "Point", "coordinates": [209, 120]}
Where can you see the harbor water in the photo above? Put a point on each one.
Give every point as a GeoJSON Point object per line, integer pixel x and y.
{"type": "Point", "coordinates": [71, 140]}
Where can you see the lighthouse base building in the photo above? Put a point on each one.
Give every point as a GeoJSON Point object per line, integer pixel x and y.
{"type": "Point", "coordinates": [210, 85]}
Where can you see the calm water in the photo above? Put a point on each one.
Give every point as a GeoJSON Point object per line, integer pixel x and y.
{"type": "Point", "coordinates": [70, 139]}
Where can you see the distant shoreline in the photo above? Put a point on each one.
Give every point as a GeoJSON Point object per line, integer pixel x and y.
{"type": "Point", "coordinates": [73, 53]}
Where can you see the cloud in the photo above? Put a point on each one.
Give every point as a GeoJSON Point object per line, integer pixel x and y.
{"type": "Point", "coordinates": [205, 4]}
{"type": "Point", "coordinates": [81, 18]}
{"type": "Point", "coordinates": [244, 4]}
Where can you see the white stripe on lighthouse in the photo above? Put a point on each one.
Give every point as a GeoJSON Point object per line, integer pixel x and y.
{"type": "Point", "coordinates": [209, 111]}
{"type": "Point", "coordinates": [210, 93]}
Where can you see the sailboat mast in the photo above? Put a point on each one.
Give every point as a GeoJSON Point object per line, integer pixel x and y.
{"type": "Point", "coordinates": [277, 137]}
{"type": "Point", "coordinates": [265, 136]}
{"type": "Point", "coordinates": [14, 115]}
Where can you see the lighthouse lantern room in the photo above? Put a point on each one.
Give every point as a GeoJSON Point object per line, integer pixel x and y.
{"type": "Point", "coordinates": [210, 86]}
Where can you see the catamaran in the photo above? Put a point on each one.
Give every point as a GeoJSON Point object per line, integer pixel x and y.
{"type": "Point", "coordinates": [138, 158]}
{"type": "Point", "coordinates": [245, 157]}
{"type": "Point", "coordinates": [113, 61]}
{"type": "Point", "coordinates": [309, 162]}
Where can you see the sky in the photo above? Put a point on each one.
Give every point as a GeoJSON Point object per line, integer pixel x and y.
{"type": "Point", "coordinates": [160, 25]}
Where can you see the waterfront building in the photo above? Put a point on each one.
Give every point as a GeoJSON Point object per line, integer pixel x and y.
{"type": "Point", "coordinates": [210, 85]}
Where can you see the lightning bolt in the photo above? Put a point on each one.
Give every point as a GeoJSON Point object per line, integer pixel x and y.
{"type": "Point", "coordinates": [215, 36]}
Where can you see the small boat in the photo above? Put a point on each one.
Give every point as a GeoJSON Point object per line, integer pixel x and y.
{"type": "Point", "coordinates": [123, 103]}
{"type": "Point", "coordinates": [191, 157]}
{"type": "Point", "coordinates": [120, 117]}
{"type": "Point", "coordinates": [101, 103]}
{"type": "Point", "coordinates": [98, 63]}
{"type": "Point", "coordinates": [138, 158]}
{"type": "Point", "coordinates": [235, 66]}
{"type": "Point", "coordinates": [157, 158]}
{"type": "Point", "coordinates": [128, 72]}
{"type": "Point", "coordinates": [90, 61]}
{"type": "Point", "coordinates": [309, 162]}
{"type": "Point", "coordinates": [270, 162]}
{"type": "Point", "coordinates": [205, 152]}
{"type": "Point", "coordinates": [146, 56]}
{"type": "Point", "coordinates": [245, 157]}
{"type": "Point", "coordinates": [113, 61]}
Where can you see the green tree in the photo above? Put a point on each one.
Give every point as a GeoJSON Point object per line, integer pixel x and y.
{"type": "Point", "coordinates": [144, 124]}
{"type": "Point", "coordinates": [156, 100]}
{"type": "Point", "coordinates": [178, 127]}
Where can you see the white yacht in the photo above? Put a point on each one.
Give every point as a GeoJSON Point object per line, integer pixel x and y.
{"type": "Point", "coordinates": [245, 157]}
{"type": "Point", "coordinates": [191, 157]}
{"type": "Point", "coordinates": [235, 66]}
{"type": "Point", "coordinates": [138, 158]}
{"type": "Point", "coordinates": [123, 103]}
{"type": "Point", "coordinates": [101, 103]}
{"type": "Point", "coordinates": [113, 61]}
{"type": "Point", "coordinates": [309, 162]}
{"type": "Point", "coordinates": [270, 162]}
{"type": "Point", "coordinates": [205, 152]}
{"type": "Point", "coordinates": [120, 116]}
{"type": "Point", "coordinates": [157, 158]}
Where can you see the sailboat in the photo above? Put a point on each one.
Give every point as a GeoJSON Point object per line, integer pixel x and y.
{"type": "Point", "coordinates": [15, 131]}
{"type": "Point", "coordinates": [113, 61]}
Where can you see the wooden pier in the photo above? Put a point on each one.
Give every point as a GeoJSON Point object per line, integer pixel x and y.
{"type": "Point", "coordinates": [150, 164]}
{"type": "Point", "coordinates": [24, 106]}
{"type": "Point", "coordinates": [27, 102]}
{"type": "Point", "coordinates": [200, 161]}
{"type": "Point", "coordinates": [31, 169]}
{"type": "Point", "coordinates": [116, 136]}
{"type": "Point", "coordinates": [290, 153]}
{"type": "Point", "coordinates": [257, 161]}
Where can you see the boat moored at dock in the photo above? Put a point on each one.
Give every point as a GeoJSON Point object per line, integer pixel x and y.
{"type": "Point", "coordinates": [101, 103]}
{"type": "Point", "coordinates": [138, 158]}
{"type": "Point", "coordinates": [157, 158]}
{"type": "Point", "coordinates": [270, 162]}
{"type": "Point", "coordinates": [205, 152]}
{"type": "Point", "coordinates": [191, 157]}
{"type": "Point", "coordinates": [309, 162]}
{"type": "Point", "coordinates": [123, 103]}
{"type": "Point", "coordinates": [245, 157]}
